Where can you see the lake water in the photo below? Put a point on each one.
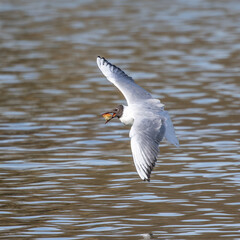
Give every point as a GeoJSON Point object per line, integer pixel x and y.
{"type": "Point", "coordinates": [64, 174]}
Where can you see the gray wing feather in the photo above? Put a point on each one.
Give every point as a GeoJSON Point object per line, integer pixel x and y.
{"type": "Point", "coordinates": [146, 135]}
{"type": "Point", "coordinates": [169, 129]}
{"type": "Point", "coordinates": [132, 92]}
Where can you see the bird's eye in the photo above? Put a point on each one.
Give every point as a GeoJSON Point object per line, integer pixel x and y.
{"type": "Point", "coordinates": [116, 109]}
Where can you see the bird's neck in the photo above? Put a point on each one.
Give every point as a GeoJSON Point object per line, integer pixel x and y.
{"type": "Point", "coordinates": [127, 117]}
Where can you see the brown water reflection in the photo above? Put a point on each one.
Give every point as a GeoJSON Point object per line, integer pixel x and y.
{"type": "Point", "coordinates": [64, 174]}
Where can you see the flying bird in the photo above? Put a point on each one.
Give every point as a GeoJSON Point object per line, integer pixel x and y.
{"type": "Point", "coordinates": [150, 122]}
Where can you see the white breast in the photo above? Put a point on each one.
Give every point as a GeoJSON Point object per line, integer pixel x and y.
{"type": "Point", "coordinates": [127, 117]}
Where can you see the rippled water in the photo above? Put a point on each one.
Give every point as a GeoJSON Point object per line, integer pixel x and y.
{"type": "Point", "coordinates": [66, 175]}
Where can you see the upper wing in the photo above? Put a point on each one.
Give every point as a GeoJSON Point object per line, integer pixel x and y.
{"type": "Point", "coordinates": [169, 129]}
{"type": "Point", "coordinates": [131, 91]}
{"type": "Point", "coordinates": [146, 135]}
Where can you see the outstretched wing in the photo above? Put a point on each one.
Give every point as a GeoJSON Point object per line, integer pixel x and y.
{"type": "Point", "coordinates": [146, 135]}
{"type": "Point", "coordinates": [131, 91]}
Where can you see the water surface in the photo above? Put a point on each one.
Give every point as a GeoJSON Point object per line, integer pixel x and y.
{"type": "Point", "coordinates": [64, 173]}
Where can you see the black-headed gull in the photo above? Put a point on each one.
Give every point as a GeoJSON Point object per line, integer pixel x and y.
{"type": "Point", "coordinates": [150, 122]}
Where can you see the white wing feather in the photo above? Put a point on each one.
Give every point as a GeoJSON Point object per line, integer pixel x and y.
{"type": "Point", "coordinates": [132, 92]}
{"type": "Point", "coordinates": [146, 135]}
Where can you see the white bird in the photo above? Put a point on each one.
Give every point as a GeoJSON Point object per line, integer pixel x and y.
{"type": "Point", "coordinates": [150, 122]}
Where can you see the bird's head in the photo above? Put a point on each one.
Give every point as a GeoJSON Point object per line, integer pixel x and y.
{"type": "Point", "coordinates": [116, 112]}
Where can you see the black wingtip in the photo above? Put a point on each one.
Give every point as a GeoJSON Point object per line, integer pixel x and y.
{"type": "Point", "coordinates": [101, 57]}
{"type": "Point", "coordinates": [104, 59]}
